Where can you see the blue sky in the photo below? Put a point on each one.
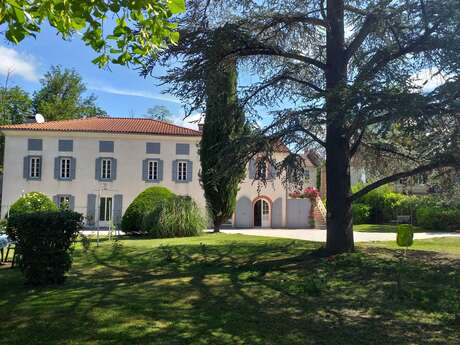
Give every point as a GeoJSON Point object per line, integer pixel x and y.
{"type": "Point", "coordinates": [120, 91]}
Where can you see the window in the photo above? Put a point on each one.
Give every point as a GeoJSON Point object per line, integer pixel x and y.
{"type": "Point", "coordinates": [182, 171]}
{"type": "Point", "coordinates": [152, 170]}
{"type": "Point", "coordinates": [106, 169]}
{"type": "Point", "coordinates": [34, 167]}
{"type": "Point", "coordinates": [261, 170]}
{"type": "Point", "coordinates": [306, 176]}
{"type": "Point", "coordinates": [64, 202]}
{"type": "Point", "coordinates": [64, 168]}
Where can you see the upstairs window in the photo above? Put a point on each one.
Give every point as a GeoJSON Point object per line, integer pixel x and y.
{"type": "Point", "coordinates": [65, 168]}
{"type": "Point", "coordinates": [106, 169]}
{"type": "Point", "coordinates": [182, 171]}
{"type": "Point", "coordinates": [261, 170]}
{"type": "Point", "coordinates": [152, 170]}
{"type": "Point", "coordinates": [35, 167]}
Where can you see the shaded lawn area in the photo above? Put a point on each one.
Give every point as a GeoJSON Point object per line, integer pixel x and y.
{"type": "Point", "coordinates": [235, 289]}
{"type": "Point", "coordinates": [445, 245]}
{"type": "Point", "coordinates": [382, 228]}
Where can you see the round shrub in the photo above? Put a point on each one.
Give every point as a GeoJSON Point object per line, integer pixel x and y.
{"type": "Point", "coordinates": [144, 203]}
{"type": "Point", "coordinates": [32, 202]}
{"type": "Point", "coordinates": [361, 213]}
{"type": "Point", "coordinates": [176, 217]}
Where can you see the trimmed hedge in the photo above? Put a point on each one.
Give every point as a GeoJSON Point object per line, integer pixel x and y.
{"type": "Point", "coordinates": [361, 213]}
{"type": "Point", "coordinates": [144, 203]}
{"type": "Point", "coordinates": [437, 218]}
{"type": "Point", "coordinates": [32, 202]}
{"type": "Point", "coordinates": [176, 217]}
{"type": "Point", "coordinates": [43, 241]}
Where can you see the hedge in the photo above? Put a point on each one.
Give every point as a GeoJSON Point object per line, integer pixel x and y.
{"type": "Point", "coordinates": [144, 203]}
{"type": "Point", "coordinates": [32, 202]}
{"type": "Point", "coordinates": [176, 217]}
{"type": "Point", "coordinates": [43, 241]}
{"type": "Point", "coordinates": [361, 213]}
{"type": "Point", "coordinates": [437, 218]}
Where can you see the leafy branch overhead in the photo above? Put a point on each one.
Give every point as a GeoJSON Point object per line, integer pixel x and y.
{"type": "Point", "coordinates": [121, 32]}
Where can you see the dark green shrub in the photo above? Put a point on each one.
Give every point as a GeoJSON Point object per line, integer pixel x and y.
{"type": "Point", "coordinates": [43, 240]}
{"type": "Point", "coordinates": [176, 217]}
{"type": "Point", "coordinates": [361, 213]}
{"type": "Point", "coordinates": [405, 236]}
{"type": "Point", "coordinates": [438, 218]}
{"type": "Point", "coordinates": [144, 203]}
{"type": "Point", "coordinates": [32, 202]}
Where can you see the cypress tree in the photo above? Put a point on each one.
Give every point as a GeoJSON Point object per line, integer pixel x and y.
{"type": "Point", "coordinates": [224, 123]}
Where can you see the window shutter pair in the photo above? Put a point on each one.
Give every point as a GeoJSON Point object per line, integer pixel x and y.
{"type": "Point", "coordinates": [57, 169]}
{"type": "Point", "coordinates": [145, 170]}
{"type": "Point", "coordinates": [98, 174]}
{"type": "Point", "coordinates": [271, 172]}
{"type": "Point", "coordinates": [26, 168]}
{"type": "Point", "coordinates": [175, 164]}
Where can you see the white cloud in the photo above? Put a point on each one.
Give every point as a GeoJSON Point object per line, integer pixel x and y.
{"type": "Point", "coordinates": [134, 93]}
{"type": "Point", "coordinates": [428, 79]}
{"type": "Point", "coordinates": [19, 64]}
{"type": "Point", "coordinates": [189, 122]}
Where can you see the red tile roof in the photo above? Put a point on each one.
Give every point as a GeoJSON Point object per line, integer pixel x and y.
{"type": "Point", "coordinates": [107, 125]}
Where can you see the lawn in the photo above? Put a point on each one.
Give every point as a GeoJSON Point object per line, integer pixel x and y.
{"type": "Point", "coordinates": [235, 289]}
{"type": "Point", "coordinates": [381, 228]}
{"type": "Point", "coordinates": [444, 245]}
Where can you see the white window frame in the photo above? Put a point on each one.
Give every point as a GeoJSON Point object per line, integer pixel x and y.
{"type": "Point", "coordinates": [62, 199]}
{"type": "Point", "coordinates": [34, 168]}
{"type": "Point", "coordinates": [106, 169]}
{"type": "Point", "coordinates": [65, 164]}
{"type": "Point", "coordinates": [153, 170]}
{"type": "Point", "coordinates": [182, 170]}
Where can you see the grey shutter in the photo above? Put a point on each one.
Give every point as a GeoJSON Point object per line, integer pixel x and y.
{"type": "Point", "coordinates": [189, 171]}
{"type": "Point", "coordinates": [56, 200]}
{"type": "Point", "coordinates": [252, 168]}
{"type": "Point", "coordinates": [271, 172]}
{"type": "Point", "coordinates": [73, 167]}
{"type": "Point", "coordinates": [117, 208]}
{"type": "Point", "coordinates": [153, 148]}
{"type": "Point", "coordinates": [40, 171]}
{"type": "Point", "coordinates": [35, 145]}
{"type": "Point", "coordinates": [182, 149]}
{"type": "Point", "coordinates": [57, 176]}
{"type": "Point", "coordinates": [106, 146]}
{"type": "Point", "coordinates": [25, 168]}
{"type": "Point", "coordinates": [65, 145]}
{"type": "Point", "coordinates": [160, 170]}
{"type": "Point", "coordinates": [174, 170]}
{"type": "Point", "coordinates": [145, 169]}
{"type": "Point", "coordinates": [98, 169]}
{"type": "Point", "coordinates": [114, 169]}
{"type": "Point", "coordinates": [91, 209]}
{"type": "Point", "coordinates": [71, 202]}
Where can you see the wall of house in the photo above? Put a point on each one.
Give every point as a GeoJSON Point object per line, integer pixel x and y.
{"type": "Point", "coordinates": [129, 150]}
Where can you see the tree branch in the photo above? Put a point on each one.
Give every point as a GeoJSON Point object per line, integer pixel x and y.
{"type": "Point", "coordinates": [369, 24]}
{"type": "Point", "coordinates": [395, 177]}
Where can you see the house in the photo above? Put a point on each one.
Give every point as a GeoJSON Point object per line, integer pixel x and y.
{"type": "Point", "coordinates": [99, 165]}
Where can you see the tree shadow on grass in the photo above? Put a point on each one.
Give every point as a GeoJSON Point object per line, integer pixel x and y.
{"type": "Point", "coordinates": [237, 293]}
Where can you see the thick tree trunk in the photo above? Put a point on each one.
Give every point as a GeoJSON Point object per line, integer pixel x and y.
{"type": "Point", "coordinates": [339, 216]}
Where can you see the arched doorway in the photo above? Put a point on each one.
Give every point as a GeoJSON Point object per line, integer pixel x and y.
{"type": "Point", "coordinates": [262, 213]}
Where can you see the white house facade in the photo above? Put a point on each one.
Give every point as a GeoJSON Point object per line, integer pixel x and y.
{"type": "Point", "coordinates": [99, 165]}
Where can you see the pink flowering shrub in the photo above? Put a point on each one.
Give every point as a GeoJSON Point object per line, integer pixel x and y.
{"type": "Point", "coordinates": [307, 193]}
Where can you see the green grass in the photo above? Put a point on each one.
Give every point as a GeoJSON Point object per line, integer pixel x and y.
{"type": "Point", "coordinates": [235, 289]}
{"type": "Point", "coordinates": [444, 245]}
{"type": "Point", "coordinates": [381, 228]}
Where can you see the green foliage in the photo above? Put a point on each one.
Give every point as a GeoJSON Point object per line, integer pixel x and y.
{"type": "Point", "coordinates": [159, 112]}
{"type": "Point", "coordinates": [32, 202]}
{"type": "Point", "coordinates": [224, 125]}
{"type": "Point", "coordinates": [405, 235]}
{"type": "Point", "coordinates": [61, 96]}
{"type": "Point", "coordinates": [140, 29]}
{"type": "Point", "coordinates": [361, 213]}
{"type": "Point", "coordinates": [438, 218]}
{"type": "Point", "coordinates": [43, 240]}
{"type": "Point", "coordinates": [144, 203]}
{"type": "Point", "coordinates": [14, 104]}
{"type": "Point", "coordinates": [175, 217]}
{"type": "Point", "coordinates": [383, 203]}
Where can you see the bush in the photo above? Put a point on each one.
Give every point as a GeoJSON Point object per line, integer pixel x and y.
{"type": "Point", "coordinates": [361, 213]}
{"type": "Point", "coordinates": [176, 217]}
{"type": "Point", "coordinates": [437, 218]}
{"type": "Point", "coordinates": [32, 202]}
{"type": "Point", "coordinates": [144, 203]}
{"type": "Point", "coordinates": [44, 239]}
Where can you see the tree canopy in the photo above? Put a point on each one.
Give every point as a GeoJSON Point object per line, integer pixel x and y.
{"type": "Point", "coordinates": [338, 76]}
{"type": "Point", "coordinates": [121, 32]}
{"type": "Point", "coordinates": [61, 96]}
